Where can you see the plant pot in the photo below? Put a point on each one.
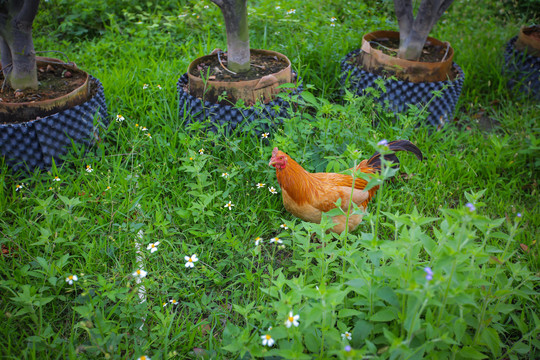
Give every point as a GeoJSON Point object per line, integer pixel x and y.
{"type": "Point", "coordinates": [529, 40]}
{"type": "Point", "coordinates": [375, 60]}
{"type": "Point", "coordinates": [521, 65]}
{"type": "Point", "coordinates": [23, 111]}
{"type": "Point", "coordinates": [34, 143]}
{"type": "Point", "coordinates": [416, 82]}
{"type": "Point", "coordinates": [199, 104]}
{"type": "Point", "coordinates": [261, 89]}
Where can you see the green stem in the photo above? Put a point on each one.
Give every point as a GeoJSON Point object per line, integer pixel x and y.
{"type": "Point", "coordinates": [445, 297]}
{"type": "Point", "coordinates": [419, 313]}
{"type": "Point", "coordinates": [379, 202]}
{"type": "Point", "coordinates": [489, 292]}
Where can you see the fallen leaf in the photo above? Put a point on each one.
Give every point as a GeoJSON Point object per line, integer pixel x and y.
{"type": "Point", "coordinates": [199, 352]}
{"type": "Point", "coordinates": [406, 176]}
{"type": "Point", "coordinates": [205, 329]}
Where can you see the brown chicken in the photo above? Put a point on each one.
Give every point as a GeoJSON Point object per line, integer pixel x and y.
{"type": "Point", "coordinates": [307, 195]}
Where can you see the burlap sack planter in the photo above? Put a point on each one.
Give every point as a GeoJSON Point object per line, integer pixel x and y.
{"type": "Point", "coordinates": [400, 94]}
{"type": "Point", "coordinates": [522, 70]}
{"type": "Point", "coordinates": [228, 116]}
{"type": "Point", "coordinates": [35, 143]}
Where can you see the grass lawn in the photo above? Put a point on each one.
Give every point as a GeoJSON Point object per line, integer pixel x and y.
{"type": "Point", "coordinates": [76, 240]}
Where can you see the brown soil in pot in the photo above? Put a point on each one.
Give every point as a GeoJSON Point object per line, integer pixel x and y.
{"type": "Point", "coordinates": [261, 65]}
{"type": "Point", "coordinates": [430, 52]}
{"type": "Point", "coordinates": [55, 81]}
{"type": "Point", "coordinates": [269, 70]}
{"type": "Point", "coordinates": [529, 40]}
{"type": "Point", "coordinates": [379, 57]}
{"type": "Point", "coordinates": [533, 31]}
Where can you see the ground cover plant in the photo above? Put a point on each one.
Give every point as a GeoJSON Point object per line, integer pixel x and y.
{"type": "Point", "coordinates": [169, 242]}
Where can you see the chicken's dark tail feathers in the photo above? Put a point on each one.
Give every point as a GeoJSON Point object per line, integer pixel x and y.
{"type": "Point", "coordinates": [398, 145]}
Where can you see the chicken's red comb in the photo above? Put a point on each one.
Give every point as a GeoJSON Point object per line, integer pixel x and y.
{"type": "Point", "coordinates": [275, 151]}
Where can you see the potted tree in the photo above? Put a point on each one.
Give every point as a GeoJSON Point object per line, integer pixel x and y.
{"type": "Point", "coordinates": [225, 87]}
{"type": "Point", "coordinates": [45, 103]}
{"type": "Point", "coordinates": [522, 61]}
{"type": "Point", "coordinates": [420, 64]}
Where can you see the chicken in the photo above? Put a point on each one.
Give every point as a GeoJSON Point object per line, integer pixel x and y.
{"type": "Point", "coordinates": [307, 195]}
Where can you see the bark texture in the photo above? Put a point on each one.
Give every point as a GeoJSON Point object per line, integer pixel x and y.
{"type": "Point", "coordinates": [16, 45]}
{"type": "Point", "coordinates": [413, 31]}
{"type": "Point", "coordinates": [236, 24]}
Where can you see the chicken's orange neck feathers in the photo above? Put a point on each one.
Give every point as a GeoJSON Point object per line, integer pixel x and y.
{"type": "Point", "coordinates": [296, 181]}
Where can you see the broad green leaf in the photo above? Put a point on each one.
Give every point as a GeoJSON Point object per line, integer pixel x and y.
{"type": "Point", "coordinates": [313, 341]}
{"type": "Point", "coordinates": [357, 283]}
{"type": "Point", "coordinates": [490, 337]}
{"type": "Point", "coordinates": [387, 314]}
{"type": "Point", "coordinates": [69, 202]}
{"type": "Point", "coordinates": [43, 301]}
{"type": "Point", "coordinates": [43, 263]}
{"type": "Point", "coordinates": [361, 331]}
{"type": "Point", "coordinates": [309, 98]}
{"type": "Point", "coordinates": [469, 352]}
{"type": "Point", "coordinates": [521, 348]}
{"type": "Point", "coordinates": [459, 328]}
{"type": "Point", "coordinates": [85, 311]}
{"type": "Point", "coordinates": [387, 294]}
{"type": "Point", "coordinates": [348, 312]}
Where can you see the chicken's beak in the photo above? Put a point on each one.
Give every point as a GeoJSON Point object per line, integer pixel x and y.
{"type": "Point", "coordinates": [272, 162]}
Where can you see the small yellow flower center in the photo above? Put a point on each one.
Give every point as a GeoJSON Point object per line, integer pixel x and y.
{"type": "Point", "coordinates": [143, 357]}
{"type": "Point", "coordinates": [190, 260]}
{"type": "Point", "coordinates": [70, 277]}
{"type": "Point", "coordinates": [138, 272]}
{"type": "Point", "coordinates": [291, 319]}
{"type": "Point", "coordinates": [268, 337]}
{"type": "Point", "coordinates": [153, 245]}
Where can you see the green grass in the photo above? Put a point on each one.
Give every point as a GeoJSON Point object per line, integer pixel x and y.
{"type": "Point", "coordinates": [483, 300]}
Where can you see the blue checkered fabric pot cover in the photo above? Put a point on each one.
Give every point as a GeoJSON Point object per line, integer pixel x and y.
{"type": "Point", "coordinates": [400, 94]}
{"type": "Point", "coordinates": [228, 116]}
{"type": "Point", "coordinates": [33, 144]}
{"type": "Point", "coordinates": [523, 70]}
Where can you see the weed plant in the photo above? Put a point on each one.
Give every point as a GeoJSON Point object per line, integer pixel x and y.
{"type": "Point", "coordinates": [444, 266]}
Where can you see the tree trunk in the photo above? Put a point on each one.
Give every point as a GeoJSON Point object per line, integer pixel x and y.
{"type": "Point", "coordinates": [413, 32]}
{"type": "Point", "coordinates": [404, 14]}
{"type": "Point", "coordinates": [236, 24]}
{"type": "Point", "coordinates": [16, 44]}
